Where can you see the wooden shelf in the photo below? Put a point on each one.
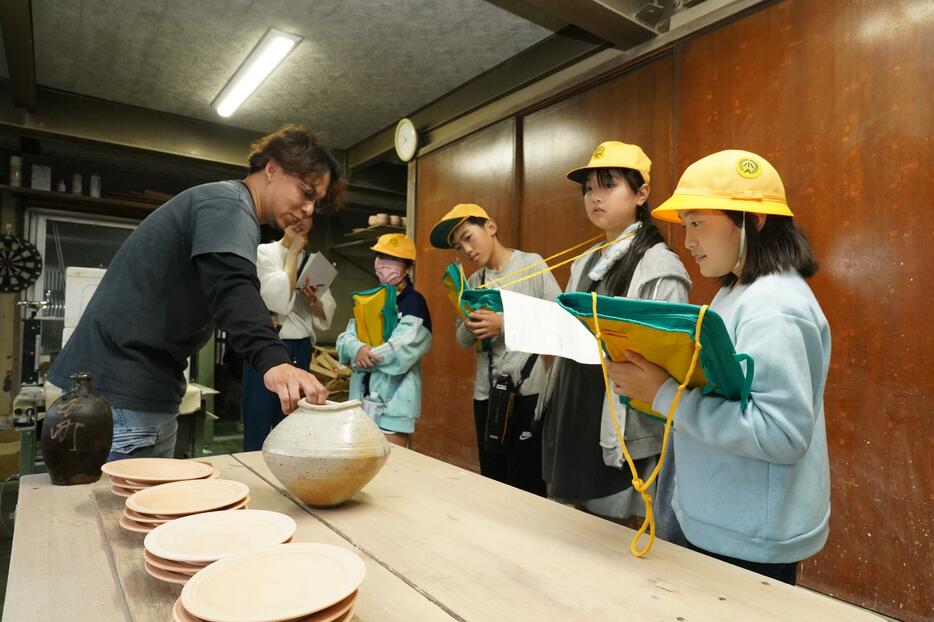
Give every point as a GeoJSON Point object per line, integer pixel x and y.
{"type": "Point", "coordinates": [374, 231]}
{"type": "Point", "coordinates": [83, 203]}
{"type": "Point", "coordinates": [369, 234]}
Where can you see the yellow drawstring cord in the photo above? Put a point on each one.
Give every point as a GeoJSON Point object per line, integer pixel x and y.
{"type": "Point", "coordinates": [637, 483]}
{"type": "Point", "coordinates": [460, 289]}
{"type": "Point", "coordinates": [560, 263]}
{"type": "Point", "coordinates": [545, 261]}
{"type": "Point", "coordinates": [463, 276]}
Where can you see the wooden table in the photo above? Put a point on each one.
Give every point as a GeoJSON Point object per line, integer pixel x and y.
{"type": "Point", "coordinates": [439, 543]}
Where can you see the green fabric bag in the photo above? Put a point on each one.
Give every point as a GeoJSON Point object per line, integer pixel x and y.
{"type": "Point", "coordinates": [466, 300]}
{"type": "Point", "coordinates": [376, 314]}
{"type": "Point", "coordinates": [663, 332]}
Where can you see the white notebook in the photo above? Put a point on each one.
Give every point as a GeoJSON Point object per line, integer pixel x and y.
{"type": "Point", "coordinates": [318, 270]}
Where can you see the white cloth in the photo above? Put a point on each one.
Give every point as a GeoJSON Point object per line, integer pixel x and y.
{"type": "Point", "coordinates": [613, 253]}
{"type": "Point", "coordinates": [287, 303]}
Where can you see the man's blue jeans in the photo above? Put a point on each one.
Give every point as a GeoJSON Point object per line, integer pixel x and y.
{"type": "Point", "coordinates": [143, 434]}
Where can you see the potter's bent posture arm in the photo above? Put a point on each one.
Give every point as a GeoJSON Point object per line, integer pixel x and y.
{"type": "Point", "coordinates": [231, 287]}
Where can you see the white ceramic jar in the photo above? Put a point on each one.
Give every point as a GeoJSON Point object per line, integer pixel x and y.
{"type": "Point", "coordinates": [325, 454]}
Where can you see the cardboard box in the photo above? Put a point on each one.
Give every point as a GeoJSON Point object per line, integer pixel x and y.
{"type": "Point", "coordinates": [9, 459]}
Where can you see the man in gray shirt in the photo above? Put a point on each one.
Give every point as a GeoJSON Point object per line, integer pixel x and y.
{"type": "Point", "coordinates": [191, 265]}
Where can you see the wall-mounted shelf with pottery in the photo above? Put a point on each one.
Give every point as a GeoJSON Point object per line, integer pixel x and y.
{"type": "Point", "coordinates": [368, 235]}
{"type": "Point", "coordinates": [83, 203]}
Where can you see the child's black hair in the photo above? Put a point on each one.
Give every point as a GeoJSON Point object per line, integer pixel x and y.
{"type": "Point", "coordinates": [778, 247]}
{"type": "Point", "coordinates": [475, 220]}
{"type": "Point", "coordinates": [647, 236]}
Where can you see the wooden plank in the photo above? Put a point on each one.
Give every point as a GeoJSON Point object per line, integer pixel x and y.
{"type": "Point", "coordinates": [323, 371]}
{"type": "Point", "coordinates": [488, 551]}
{"type": "Point", "coordinates": [384, 596]}
{"type": "Point", "coordinates": [148, 599]}
{"type": "Point", "coordinates": [60, 569]}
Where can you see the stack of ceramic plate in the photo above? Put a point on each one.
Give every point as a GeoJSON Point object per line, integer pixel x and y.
{"type": "Point", "coordinates": [300, 582]}
{"type": "Point", "coordinates": [175, 551]}
{"type": "Point", "coordinates": [135, 474]}
{"type": "Point", "coordinates": [147, 509]}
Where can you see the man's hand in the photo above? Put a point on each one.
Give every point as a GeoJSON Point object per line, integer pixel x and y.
{"type": "Point", "coordinates": [290, 383]}
{"type": "Point", "coordinates": [637, 377]}
{"type": "Point", "coordinates": [485, 324]}
{"type": "Point", "coordinates": [365, 357]}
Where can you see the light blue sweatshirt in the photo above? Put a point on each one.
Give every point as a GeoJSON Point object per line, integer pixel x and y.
{"type": "Point", "coordinates": [397, 377]}
{"type": "Point", "coordinates": [754, 483]}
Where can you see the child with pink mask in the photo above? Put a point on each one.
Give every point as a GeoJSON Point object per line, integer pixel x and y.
{"type": "Point", "coordinates": [390, 375]}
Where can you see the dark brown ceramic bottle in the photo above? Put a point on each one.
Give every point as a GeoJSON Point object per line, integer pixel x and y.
{"type": "Point", "coordinates": [76, 434]}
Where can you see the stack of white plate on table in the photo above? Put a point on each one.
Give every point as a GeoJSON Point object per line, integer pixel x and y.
{"type": "Point", "coordinates": [147, 509]}
{"type": "Point", "coordinates": [135, 474]}
{"type": "Point", "coordinates": [175, 551]}
{"type": "Point", "coordinates": [298, 582]}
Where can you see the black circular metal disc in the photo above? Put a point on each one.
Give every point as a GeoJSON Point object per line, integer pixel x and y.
{"type": "Point", "coordinates": [20, 263]}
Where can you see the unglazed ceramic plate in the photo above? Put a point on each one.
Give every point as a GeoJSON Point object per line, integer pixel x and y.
{"type": "Point", "coordinates": [273, 584]}
{"type": "Point", "coordinates": [239, 505]}
{"type": "Point", "coordinates": [347, 617]}
{"type": "Point", "coordinates": [341, 612]}
{"type": "Point", "coordinates": [132, 525]}
{"type": "Point", "coordinates": [204, 538]}
{"type": "Point", "coordinates": [189, 497]}
{"type": "Point", "coordinates": [155, 520]}
{"type": "Point", "coordinates": [129, 483]}
{"type": "Point", "coordinates": [143, 519]}
{"type": "Point", "coordinates": [157, 470]}
{"type": "Point", "coordinates": [125, 483]}
{"type": "Point", "coordinates": [180, 615]}
{"type": "Point", "coordinates": [122, 492]}
{"type": "Point", "coordinates": [171, 566]}
{"type": "Point", "coordinates": [165, 575]}
{"type": "Point", "coordinates": [334, 613]}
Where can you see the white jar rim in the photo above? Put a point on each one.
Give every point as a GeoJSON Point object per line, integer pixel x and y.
{"type": "Point", "coordinates": [328, 406]}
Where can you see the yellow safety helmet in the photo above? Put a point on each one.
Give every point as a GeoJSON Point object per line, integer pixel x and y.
{"type": "Point", "coordinates": [614, 154]}
{"type": "Point", "coordinates": [441, 232]}
{"type": "Point", "coordinates": [395, 245]}
{"type": "Point", "coordinates": [732, 180]}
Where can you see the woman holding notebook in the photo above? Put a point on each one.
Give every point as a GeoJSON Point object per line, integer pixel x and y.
{"type": "Point", "coordinates": [298, 309]}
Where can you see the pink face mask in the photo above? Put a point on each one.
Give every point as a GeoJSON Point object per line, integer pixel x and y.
{"type": "Point", "coordinates": [389, 271]}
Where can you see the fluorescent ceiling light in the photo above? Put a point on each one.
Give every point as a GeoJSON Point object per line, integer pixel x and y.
{"type": "Point", "coordinates": [265, 57]}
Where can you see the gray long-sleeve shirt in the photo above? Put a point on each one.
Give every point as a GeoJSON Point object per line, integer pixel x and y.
{"type": "Point", "coordinates": [540, 286]}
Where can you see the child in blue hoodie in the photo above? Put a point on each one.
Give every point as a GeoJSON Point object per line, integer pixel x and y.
{"type": "Point", "coordinates": [753, 484]}
{"type": "Point", "coordinates": [391, 373]}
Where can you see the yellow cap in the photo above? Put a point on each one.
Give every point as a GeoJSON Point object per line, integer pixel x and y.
{"type": "Point", "coordinates": [441, 232]}
{"type": "Point", "coordinates": [734, 180]}
{"type": "Point", "coordinates": [614, 154]}
{"type": "Point", "coordinates": [395, 245]}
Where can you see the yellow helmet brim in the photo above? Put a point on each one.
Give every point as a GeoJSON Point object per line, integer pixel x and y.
{"type": "Point", "coordinates": [683, 202]}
